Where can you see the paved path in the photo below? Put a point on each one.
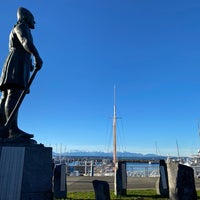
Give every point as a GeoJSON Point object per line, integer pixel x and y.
{"type": "Point", "coordinates": [84, 183]}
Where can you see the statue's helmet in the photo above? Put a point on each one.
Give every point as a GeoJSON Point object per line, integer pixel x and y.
{"type": "Point", "coordinates": [24, 14]}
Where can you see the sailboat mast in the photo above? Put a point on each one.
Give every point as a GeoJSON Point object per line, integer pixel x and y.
{"type": "Point", "coordinates": [114, 131]}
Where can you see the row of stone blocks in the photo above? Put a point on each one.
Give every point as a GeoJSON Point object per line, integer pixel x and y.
{"type": "Point", "coordinates": [25, 172]}
{"type": "Point", "coordinates": [176, 181]}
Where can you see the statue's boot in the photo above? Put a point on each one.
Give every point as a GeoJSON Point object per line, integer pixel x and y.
{"type": "Point", "coordinates": [14, 131]}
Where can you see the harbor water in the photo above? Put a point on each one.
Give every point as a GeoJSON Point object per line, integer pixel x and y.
{"type": "Point", "coordinates": [142, 169]}
{"type": "Point", "coordinates": [106, 169]}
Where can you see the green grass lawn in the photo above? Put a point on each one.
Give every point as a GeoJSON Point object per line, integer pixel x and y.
{"type": "Point", "coordinates": [131, 194]}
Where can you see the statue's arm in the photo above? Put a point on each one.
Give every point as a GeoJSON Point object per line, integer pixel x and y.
{"type": "Point", "coordinates": [25, 38]}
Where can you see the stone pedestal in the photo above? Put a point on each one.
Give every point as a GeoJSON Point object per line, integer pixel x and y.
{"type": "Point", "coordinates": [181, 182]}
{"type": "Point", "coordinates": [60, 183]}
{"type": "Point", "coordinates": [25, 172]}
{"type": "Point", "coordinates": [121, 179]}
{"type": "Point", "coordinates": [102, 191]}
{"type": "Point", "coordinates": [162, 187]}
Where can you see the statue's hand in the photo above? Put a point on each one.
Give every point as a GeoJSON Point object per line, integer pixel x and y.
{"type": "Point", "coordinates": [38, 62]}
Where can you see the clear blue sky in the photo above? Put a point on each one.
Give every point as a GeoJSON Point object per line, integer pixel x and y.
{"type": "Point", "coordinates": [149, 49]}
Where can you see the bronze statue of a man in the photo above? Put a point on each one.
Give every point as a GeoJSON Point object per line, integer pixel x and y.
{"type": "Point", "coordinates": [17, 68]}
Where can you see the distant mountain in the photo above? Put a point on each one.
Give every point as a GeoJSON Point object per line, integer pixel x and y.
{"type": "Point", "coordinates": [104, 154]}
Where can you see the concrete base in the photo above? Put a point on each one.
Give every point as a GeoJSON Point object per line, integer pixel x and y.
{"type": "Point", "coordinates": [121, 179]}
{"type": "Point", "coordinates": [102, 191]}
{"type": "Point", "coordinates": [162, 187]}
{"type": "Point", "coordinates": [60, 183]}
{"type": "Point", "coordinates": [181, 182]}
{"type": "Point", "coordinates": [25, 173]}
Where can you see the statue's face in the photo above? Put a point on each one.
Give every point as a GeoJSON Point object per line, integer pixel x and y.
{"type": "Point", "coordinates": [31, 21]}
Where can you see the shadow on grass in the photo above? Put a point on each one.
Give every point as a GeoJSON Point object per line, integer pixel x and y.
{"type": "Point", "coordinates": [148, 196]}
{"type": "Point", "coordinates": [143, 194]}
{"type": "Point", "coordinates": [142, 197]}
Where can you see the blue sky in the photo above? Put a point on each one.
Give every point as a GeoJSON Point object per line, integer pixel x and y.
{"type": "Point", "coordinates": [149, 49]}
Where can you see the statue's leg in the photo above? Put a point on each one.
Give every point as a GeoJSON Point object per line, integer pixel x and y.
{"type": "Point", "coordinates": [12, 98]}
{"type": "Point", "coordinates": [2, 108]}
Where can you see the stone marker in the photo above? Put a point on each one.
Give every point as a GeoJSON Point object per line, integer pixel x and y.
{"type": "Point", "coordinates": [181, 182]}
{"type": "Point", "coordinates": [121, 179]}
{"type": "Point", "coordinates": [60, 188]}
{"type": "Point", "coordinates": [25, 173]}
{"type": "Point", "coordinates": [101, 189]}
{"type": "Point", "coordinates": [162, 187]}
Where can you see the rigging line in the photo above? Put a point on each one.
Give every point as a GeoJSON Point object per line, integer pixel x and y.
{"type": "Point", "coordinates": [110, 140]}
{"type": "Point", "coordinates": [119, 139]}
{"type": "Point", "coordinates": [108, 137]}
{"type": "Point", "coordinates": [123, 136]}
{"type": "Point", "coordinates": [122, 142]}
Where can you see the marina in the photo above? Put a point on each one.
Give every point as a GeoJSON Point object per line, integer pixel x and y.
{"type": "Point", "coordinates": [104, 167]}
{"type": "Point", "coordinates": [78, 166]}
{"type": "Point", "coordinates": [108, 166]}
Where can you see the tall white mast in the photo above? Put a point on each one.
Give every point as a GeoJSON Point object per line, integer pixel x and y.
{"type": "Point", "coordinates": [114, 131]}
{"type": "Point", "coordinates": [115, 144]}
